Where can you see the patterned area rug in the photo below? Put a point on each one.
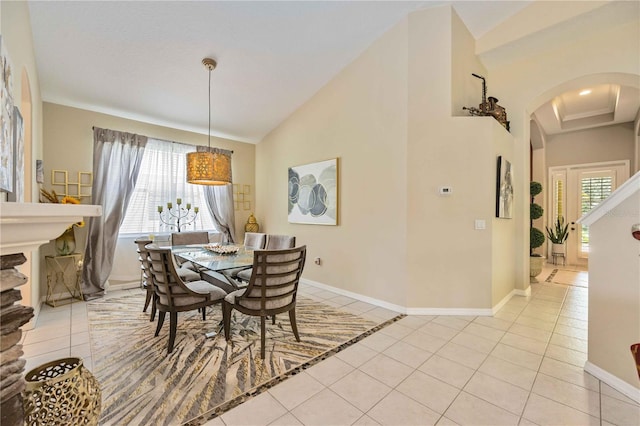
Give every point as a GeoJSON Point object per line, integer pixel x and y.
{"type": "Point", "coordinates": [203, 377]}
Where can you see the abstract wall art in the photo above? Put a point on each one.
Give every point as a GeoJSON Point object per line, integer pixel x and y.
{"type": "Point", "coordinates": [313, 193]}
{"type": "Point", "coordinates": [504, 189]}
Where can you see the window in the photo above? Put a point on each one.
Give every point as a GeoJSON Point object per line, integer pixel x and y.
{"type": "Point", "coordinates": [162, 179]}
{"type": "Point", "coordinates": [594, 189]}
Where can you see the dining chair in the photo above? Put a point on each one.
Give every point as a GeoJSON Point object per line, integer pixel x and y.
{"type": "Point", "coordinates": [272, 290]}
{"type": "Point", "coordinates": [184, 239]}
{"type": "Point", "coordinates": [274, 242]}
{"type": "Point", "coordinates": [145, 279]}
{"type": "Point", "coordinates": [255, 240]}
{"type": "Point", "coordinates": [175, 295]}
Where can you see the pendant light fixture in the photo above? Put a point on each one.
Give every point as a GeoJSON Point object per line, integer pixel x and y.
{"type": "Point", "coordinates": [208, 168]}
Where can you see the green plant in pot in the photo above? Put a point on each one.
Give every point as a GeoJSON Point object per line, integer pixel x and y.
{"type": "Point", "coordinates": [558, 235]}
{"type": "Point", "coordinates": [536, 237]}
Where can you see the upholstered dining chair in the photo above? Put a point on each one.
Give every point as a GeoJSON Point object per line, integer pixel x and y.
{"type": "Point", "coordinates": [188, 271]}
{"type": "Point", "coordinates": [145, 279]}
{"type": "Point", "coordinates": [272, 290]}
{"type": "Point", "coordinates": [255, 240]}
{"type": "Point", "coordinates": [175, 295]}
{"type": "Point", "coordinates": [274, 242]}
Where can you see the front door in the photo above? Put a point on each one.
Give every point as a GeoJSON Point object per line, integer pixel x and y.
{"type": "Point", "coordinates": [577, 189]}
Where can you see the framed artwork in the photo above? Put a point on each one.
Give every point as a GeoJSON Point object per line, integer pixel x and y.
{"type": "Point", "coordinates": [17, 194]}
{"type": "Point", "coordinates": [313, 193]}
{"type": "Point", "coordinates": [6, 123]}
{"type": "Point", "coordinates": [504, 189]}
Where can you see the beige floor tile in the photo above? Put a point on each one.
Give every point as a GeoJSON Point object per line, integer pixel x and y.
{"type": "Point", "coordinates": [462, 355]}
{"type": "Point", "coordinates": [580, 315]}
{"type": "Point", "coordinates": [452, 322]}
{"type": "Point", "coordinates": [439, 331]}
{"type": "Point", "coordinates": [408, 354]}
{"type": "Point", "coordinates": [572, 322]}
{"type": "Point", "coordinates": [79, 326]}
{"type": "Point", "coordinates": [48, 332]}
{"type": "Point", "coordinates": [365, 421]}
{"type": "Point", "coordinates": [524, 343]}
{"type": "Point", "coordinates": [543, 316]}
{"type": "Point", "coordinates": [447, 371]}
{"type": "Point", "coordinates": [611, 392]}
{"type": "Point", "coordinates": [295, 390]}
{"type": "Point", "coordinates": [259, 410]}
{"type": "Point", "coordinates": [525, 422]}
{"type": "Point", "coordinates": [38, 360]}
{"type": "Point", "coordinates": [497, 392]}
{"type": "Point", "coordinates": [508, 372]}
{"type": "Point", "coordinates": [530, 332]}
{"type": "Point", "coordinates": [445, 421]}
{"type": "Point", "coordinates": [360, 306]}
{"type": "Point", "coordinates": [493, 322]}
{"type": "Point", "coordinates": [334, 368]}
{"type": "Point", "coordinates": [82, 351]}
{"type": "Point", "coordinates": [46, 346]}
{"type": "Point", "coordinates": [342, 300]}
{"type": "Point", "coordinates": [472, 341]}
{"type": "Point", "coordinates": [80, 338]}
{"type": "Point", "coordinates": [396, 330]}
{"type": "Point", "coordinates": [568, 394]}
{"type": "Point", "coordinates": [399, 409]}
{"type": "Point", "coordinates": [326, 408]}
{"type": "Point", "coordinates": [415, 321]}
{"type": "Point", "coordinates": [215, 422]}
{"type": "Point", "coordinates": [382, 313]}
{"type": "Point", "coordinates": [517, 356]}
{"type": "Point", "coordinates": [569, 342]}
{"type": "Point", "coordinates": [361, 390]}
{"type": "Point", "coordinates": [506, 315]}
{"type": "Point", "coordinates": [569, 373]}
{"type": "Point", "coordinates": [565, 330]}
{"type": "Point", "coordinates": [513, 309]}
{"type": "Point", "coordinates": [439, 395]}
{"type": "Point", "coordinates": [567, 355]}
{"type": "Point", "coordinates": [424, 341]}
{"type": "Point", "coordinates": [357, 354]}
{"type": "Point", "coordinates": [286, 420]}
{"type": "Point", "coordinates": [378, 341]}
{"type": "Point", "coordinates": [88, 363]}
{"type": "Point", "coordinates": [544, 411]}
{"type": "Point", "coordinates": [470, 410]}
{"type": "Point", "coordinates": [535, 323]}
{"type": "Point", "coordinates": [484, 331]}
{"type": "Point", "coordinates": [324, 294]}
{"type": "Point", "coordinates": [386, 369]}
{"type": "Point", "coordinates": [618, 412]}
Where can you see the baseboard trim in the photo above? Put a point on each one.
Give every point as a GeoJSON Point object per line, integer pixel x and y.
{"type": "Point", "coordinates": [360, 297]}
{"type": "Point", "coordinates": [501, 303]}
{"type": "Point", "coordinates": [618, 384]}
{"type": "Point", "coordinates": [526, 292]}
{"type": "Point", "coordinates": [398, 308]}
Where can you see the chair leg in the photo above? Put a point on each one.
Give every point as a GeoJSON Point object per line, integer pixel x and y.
{"type": "Point", "coordinates": [226, 319]}
{"type": "Point", "coordinates": [273, 320]}
{"type": "Point", "coordinates": [173, 325]}
{"type": "Point", "coordinates": [262, 338]}
{"type": "Point", "coordinates": [153, 309]}
{"type": "Point", "coordinates": [161, 315]}
{"type": "Point", "coordinates": [147, 300]}
{"type": "Point", "coordinates": [204, 313]}
{"type": "Point", "coordinates": [294, 326]}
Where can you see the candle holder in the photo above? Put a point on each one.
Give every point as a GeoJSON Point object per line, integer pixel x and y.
{"type": "Point", "coordinates": [178, 217]}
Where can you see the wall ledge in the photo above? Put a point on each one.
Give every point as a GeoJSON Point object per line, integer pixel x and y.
{"type": "Point", "coordinates": [613, 381]}
{"type": "Point", "coordinates": [623, 192]}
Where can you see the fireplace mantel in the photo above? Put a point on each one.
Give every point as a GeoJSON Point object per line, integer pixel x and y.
{"type": "Point", "coordinates": [26, 226]}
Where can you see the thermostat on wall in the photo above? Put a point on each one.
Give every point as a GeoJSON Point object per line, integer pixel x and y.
{"type": "Point", "coordinates": [445, 190]}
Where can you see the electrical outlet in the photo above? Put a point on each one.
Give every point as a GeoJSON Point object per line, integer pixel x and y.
{"type": "Point", "coordinates": [317, 261]}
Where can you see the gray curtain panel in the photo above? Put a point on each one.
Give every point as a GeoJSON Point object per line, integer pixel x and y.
{"type": "Point", "coordinates": [117, 157]}
{"type": "Point", "coordinates": [220, 202]}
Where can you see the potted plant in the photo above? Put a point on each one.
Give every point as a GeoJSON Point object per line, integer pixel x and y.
{"type": "Point", "coordinates": [536, 237]}
{"type": "Point", "coordinates": [558, 235]}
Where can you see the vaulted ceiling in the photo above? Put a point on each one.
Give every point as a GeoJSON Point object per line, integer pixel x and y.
{"type": "Point", "coordinates": [142, 60]}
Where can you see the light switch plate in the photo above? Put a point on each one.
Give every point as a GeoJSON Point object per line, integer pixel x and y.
{"type": "Point", "coordinates": [480, 224]}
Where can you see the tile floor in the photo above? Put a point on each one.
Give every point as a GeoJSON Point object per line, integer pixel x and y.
{"type": "Point", "coordinates": [522, 367]}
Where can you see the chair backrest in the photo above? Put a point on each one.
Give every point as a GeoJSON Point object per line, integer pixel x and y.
{"type": "Point", "coordinates": [278, 242]}
{"type": "Point", "coordinates": [191, 237]}
{"type": "Point", "coordinates": [255, 240]}
{"type": "Point", "coordinates": [170, 289]}
{"type": "Point", "coordinates": [274, 280]}
{"type": "Point", "coordinates": [143, 257]}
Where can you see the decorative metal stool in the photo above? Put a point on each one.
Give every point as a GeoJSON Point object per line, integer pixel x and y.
{"type": "Point", "coordinates": [62, 392]}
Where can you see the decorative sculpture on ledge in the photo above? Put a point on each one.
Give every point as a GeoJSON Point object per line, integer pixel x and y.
{"type": "Point", "coordinates": [490, 108]}
{"type": "Point", "coordinates": [178, 217]}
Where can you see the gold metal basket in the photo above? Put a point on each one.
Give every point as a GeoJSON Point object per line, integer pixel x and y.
{"type": "Point", "coordinates": [62, 392]}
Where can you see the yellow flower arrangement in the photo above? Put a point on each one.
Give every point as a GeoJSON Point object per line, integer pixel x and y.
{"type": "Point", "coordinates": [52, 197]}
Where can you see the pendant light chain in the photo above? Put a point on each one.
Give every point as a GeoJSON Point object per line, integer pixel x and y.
{"type": "Point", "coordinates": [209, 142]}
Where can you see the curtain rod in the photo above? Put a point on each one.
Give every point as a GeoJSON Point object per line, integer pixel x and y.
{"type": "Point", "coordinates": [164, 140]}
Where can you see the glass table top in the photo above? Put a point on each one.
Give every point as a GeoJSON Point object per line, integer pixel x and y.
{"type": "Point", "coordinates": [200, 255]}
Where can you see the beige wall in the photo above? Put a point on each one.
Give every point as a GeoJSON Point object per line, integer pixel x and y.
{"type": "Point", "coordinates": [17, 41]}
{"type": "Point", "coordinates": [387, 116]}
{"type": "Point", "coordinates": [609, 143]}
{"type": "Point", "coordinates": [614, 293]}
{"type": "Point", "coordinates": [68, 145]}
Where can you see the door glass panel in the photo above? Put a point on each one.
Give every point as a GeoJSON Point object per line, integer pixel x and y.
{"type": "Point", "coordinates": [594, 188]}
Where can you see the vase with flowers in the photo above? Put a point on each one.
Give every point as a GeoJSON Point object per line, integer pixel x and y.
{"type": "Point", "coordinates": [65, 243]}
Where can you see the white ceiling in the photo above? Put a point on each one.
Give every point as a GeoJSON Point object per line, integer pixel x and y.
{"type": "Point", "coordinates": [142, 60]}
